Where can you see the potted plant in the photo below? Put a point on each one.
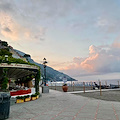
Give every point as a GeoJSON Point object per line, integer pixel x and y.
{"type": "Point", "coordinates": [33, 97]}
{"type": "Point", "coordinates": [27, 98]}
{"type": "Point", "coordinates": [20, 99]}
{"type": "Point", "coordinates": [65, 87]}
{"type": "Point", "coordinates": [37, 93]}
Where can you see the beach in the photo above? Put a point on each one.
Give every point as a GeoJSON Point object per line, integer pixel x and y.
{"type": "Point", "coordinates": [110, 95]}
{"type": "Point", "coordinates": [70, 88]}
{"type": "Point", "coordinates": [106, 95]}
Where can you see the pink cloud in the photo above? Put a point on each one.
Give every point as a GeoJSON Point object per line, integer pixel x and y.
{"type": "Point", "coordinates": [12, 29]}
{"type": "Point", "coordinates": [101, 60]}
{"type": "Point", "coordinates": [116, 44]}
{"type": "Point", "coordinates": [88, 63]}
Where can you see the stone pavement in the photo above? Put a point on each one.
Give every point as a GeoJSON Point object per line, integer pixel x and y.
{"type": "Point", "coordinates": [65, 106]}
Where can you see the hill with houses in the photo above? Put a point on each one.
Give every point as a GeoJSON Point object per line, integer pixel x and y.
{"type": "Point", "coordinates": [51, 74]}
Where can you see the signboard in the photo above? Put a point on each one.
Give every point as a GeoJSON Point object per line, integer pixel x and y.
{"type": "Point", "coordinates": [18, 65]}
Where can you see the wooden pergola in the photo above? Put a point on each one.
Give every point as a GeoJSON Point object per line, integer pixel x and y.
{"type": "Point", "coordinates": [18, 71]}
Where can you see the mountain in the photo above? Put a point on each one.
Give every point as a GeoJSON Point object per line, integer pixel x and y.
{"type": "Point", "coordinates": [51, 74]}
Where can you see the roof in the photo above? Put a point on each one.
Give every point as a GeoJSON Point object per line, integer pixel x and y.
{"type": "Point", "coordinates": [18, 70]}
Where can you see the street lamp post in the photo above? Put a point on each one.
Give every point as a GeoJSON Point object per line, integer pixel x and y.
{"type": "Point", "coordinates": [44, 65]}
{"type": "Point", "coordinates": [45, 89]}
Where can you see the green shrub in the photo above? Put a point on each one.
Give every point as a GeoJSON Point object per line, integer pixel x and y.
{"type": "Point", "coordinates": [27, 96]}
{"type": "Point", "coordinates": [4, 43]}
{"type": "Point", "coordinates": [37, 93]}
{"type": "Point", "coordinates": [20, 97]}
{"type": "Point", "coordinates": [4, 79]}
{"type": "Point", "coordinates": [33, 95]}
{"type": "Point", "coordinates": [4, 83]}
{"type": "Point", "coordinates": [4, 52]}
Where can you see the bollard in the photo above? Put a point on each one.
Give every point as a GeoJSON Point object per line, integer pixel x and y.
{"type": "Point", "coordinates": [91, 86]}
{"type": "Point", "coordinates": [118, 84]}
{"type": "Point", "coordinates": [84, 87]}
{"type": "Point", "coordinates": [51, 85]}
{"type": "Point", "coordinates": [106, 83]}
{"type": "Point", "coordinates": [100, 89]}
{"type": "Point", "coordinates": [73, 86]}
{"type": "Point", "coordinates": [55, 85]}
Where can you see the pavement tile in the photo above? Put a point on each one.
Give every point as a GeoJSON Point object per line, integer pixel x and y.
{"type": "Point", "coordinates": [73, 110]}
{"type": "Point", "coordinates": [67, 113]}
{"type": "Point", "coordinates": [42, 117]}
{"type": "Point", "coordinates": [26, 116]}
{"type": "Point", "coordinates": [106, 112]}
{"type": "Point", "coordinates": [89, 110]}
{"type": "Point", "coordinates": [106, 107]}
{"type": "Point", "coordinates": [64, 106]}
{"type": "Point", "coordinates": [106, 116]}
{"type": "Point", "coordinates": [118, 113]}
{"type": "Point", "coordinates": [57, 109]}
{"type": "Point", "coordinates": [85, 115]}
{"type": "Point", "coordinates": [84, 118]}
{"type": "Point", "coordinates": [51, 112]}
{"type": "Point", "coordinates": [16, 119]}
{"type": "Point", "coordinates": [63, 118]}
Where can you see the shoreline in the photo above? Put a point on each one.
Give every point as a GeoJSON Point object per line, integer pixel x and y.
{"type": "Point", "coordinates": [112, 95]}
{"type": "Point", "coordinates": [106, 95]}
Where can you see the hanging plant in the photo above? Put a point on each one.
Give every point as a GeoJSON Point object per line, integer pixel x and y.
{"type": "Point", "coordinates": [28, 77]}
{"type": "Point", "coordinates": [4, 83]}
{"type": "Point", "coordinates": [37, 79]}
{"type": "Point", "coordinates": [32, 76]}
{"type": "Point", "coordinates": [5, 79]}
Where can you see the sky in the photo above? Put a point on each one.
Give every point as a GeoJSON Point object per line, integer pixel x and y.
{"type": "Point", "coordinates": [80, 38]}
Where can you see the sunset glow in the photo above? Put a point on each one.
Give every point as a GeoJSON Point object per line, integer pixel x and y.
{"type": "Point", "coordinates": [80, 38]}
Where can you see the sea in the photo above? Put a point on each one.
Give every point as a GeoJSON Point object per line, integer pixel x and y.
{"type": "Point", "coordinates": [87, 82]}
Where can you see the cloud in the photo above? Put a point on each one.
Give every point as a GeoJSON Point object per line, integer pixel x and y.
{"type": "Point", "coordinates": [8, 26]}
{"type": "Point", "coordinates": [101, 60]}
{"type": "Point", "coordinates": [7, 29]}
{"type": "Point", "coordinates": [108, 24]}
{"type": "Point", "coordinates": [12, 29]}
{"type": "Point", "coordinates": [12, 15]}
{"type": "Point", "coordinates": [101, 22]}
{"type": "Point", "coordinates": [6, 6]}
{"type": "Point", "coordinates": [116, 43]}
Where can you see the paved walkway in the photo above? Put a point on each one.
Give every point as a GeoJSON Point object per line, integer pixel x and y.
{"type": "Point", "coordinates": [65, 106]}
